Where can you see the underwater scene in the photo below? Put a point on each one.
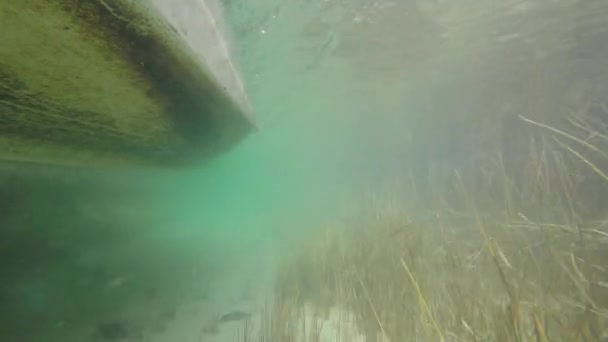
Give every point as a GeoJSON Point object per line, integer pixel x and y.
{"type": "Point", "coordinates": [303, 170]}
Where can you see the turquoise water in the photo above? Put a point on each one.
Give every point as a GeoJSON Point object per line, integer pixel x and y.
{"type": "Point", "coordinates": [351, 96]}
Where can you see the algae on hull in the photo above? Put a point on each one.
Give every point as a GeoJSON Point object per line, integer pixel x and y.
{"type": "Point", "coordinates": [104, 82]}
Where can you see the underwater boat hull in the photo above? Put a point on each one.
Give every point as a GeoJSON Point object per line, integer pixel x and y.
{"type": "Point", "coordinates": [113, 82]}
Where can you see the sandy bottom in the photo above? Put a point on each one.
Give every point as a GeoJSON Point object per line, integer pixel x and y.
{"type": "Point", "coordinates": [164, 287]}
{"type": "Point", "coordinates": [228, 314]}
{"type": "Point", "coordinates": [136, 290]}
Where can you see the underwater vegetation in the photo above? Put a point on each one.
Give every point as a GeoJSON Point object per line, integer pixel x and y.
{"type": "Point", "coordinates": [499, 256]}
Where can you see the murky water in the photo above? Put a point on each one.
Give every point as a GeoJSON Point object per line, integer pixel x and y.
{"type": "Point", "coordinates": [368, 110]}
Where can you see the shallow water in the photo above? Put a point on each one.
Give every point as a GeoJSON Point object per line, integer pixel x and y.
{"type": "Point", "coordinates": [355, 99]}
